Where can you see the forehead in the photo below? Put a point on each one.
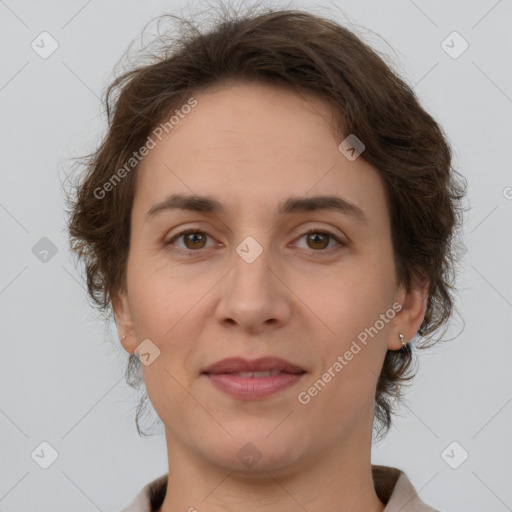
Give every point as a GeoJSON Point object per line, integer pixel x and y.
{"type": "Point", "coordinates": [256, 143]}
{"type": "Point", "coordinates": [256, 116]}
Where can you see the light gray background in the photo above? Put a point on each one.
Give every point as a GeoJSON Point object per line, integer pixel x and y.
{"type": "Point", "coordinates": [62, 382]}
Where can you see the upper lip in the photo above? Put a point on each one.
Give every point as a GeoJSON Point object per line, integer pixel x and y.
{"type": "Point", "coordinates": [240, 364]}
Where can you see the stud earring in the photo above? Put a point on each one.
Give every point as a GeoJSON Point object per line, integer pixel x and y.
{"type": "Point", "coordinates": [124, 337]}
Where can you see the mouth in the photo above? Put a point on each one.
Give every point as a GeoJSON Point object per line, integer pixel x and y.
{"type": "Point", "coordinates": [253, 379]}
{"type": "Point", "coordinates": [245, 375]}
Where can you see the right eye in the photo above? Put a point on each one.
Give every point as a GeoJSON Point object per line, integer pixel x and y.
{"type": "Point", "coordinates": [193, 239]}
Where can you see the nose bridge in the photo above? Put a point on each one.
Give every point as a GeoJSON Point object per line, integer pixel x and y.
{"type": "Point", "coordinates": [252, 294]}
{"type": "Point", "coordinates": [251, 260]}
{"type": "Point", "coordinates": [252, 240]}
{"type": "Point", "coordinates": [252, 231]}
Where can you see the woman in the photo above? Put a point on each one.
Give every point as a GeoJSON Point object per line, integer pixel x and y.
{"type": "Point", "coordinates": [269, 219]}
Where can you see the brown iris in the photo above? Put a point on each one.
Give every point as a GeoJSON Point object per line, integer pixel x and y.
{"type": "Point", "coordinates": [314, 238]}
{"type": "Point", "coordinates": [193, 238]}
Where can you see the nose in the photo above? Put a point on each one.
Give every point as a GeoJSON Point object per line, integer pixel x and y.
{"type": "Point", "coordinates": [253, 296]}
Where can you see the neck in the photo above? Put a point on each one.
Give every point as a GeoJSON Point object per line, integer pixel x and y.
{"type": "Point", "coordinates": [337, 479]}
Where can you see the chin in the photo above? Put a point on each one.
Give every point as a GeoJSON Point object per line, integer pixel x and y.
{"type": "Point", "coordinates": [254, 453]}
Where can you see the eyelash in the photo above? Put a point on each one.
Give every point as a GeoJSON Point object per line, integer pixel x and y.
{"type": "Point", "coordinates": [312, 230]}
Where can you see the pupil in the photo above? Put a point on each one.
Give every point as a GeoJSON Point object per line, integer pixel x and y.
{"type": "Point", "coordinates": [315, 237]}
{"type": "Point", "coordinates": [193, 237]}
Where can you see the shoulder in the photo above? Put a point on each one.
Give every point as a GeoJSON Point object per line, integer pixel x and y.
{"type": "Point", "coordinates": [394, 488]}
{"type": "Point", "coordinates": [150, 497]}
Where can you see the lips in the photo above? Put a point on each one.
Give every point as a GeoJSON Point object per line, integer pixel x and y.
{"type": "Point", "coordinates": [262, 367]}
{"type": "Point", "coordinates": [258, 379]}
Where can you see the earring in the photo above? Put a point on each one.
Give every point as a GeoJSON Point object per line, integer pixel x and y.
{"type": "Point", "coordinates": [402, 339]}
{"type": "Point", "coordinates": [124, 337]}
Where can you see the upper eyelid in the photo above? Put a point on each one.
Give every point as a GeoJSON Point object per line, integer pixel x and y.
{"type": "Point", "coordinates": [330, 230]}
{"type": "Point", "coordinates": [339, 239]}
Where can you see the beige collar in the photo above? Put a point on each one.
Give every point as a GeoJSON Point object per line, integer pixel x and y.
{"type": "Point", "coordinates": [391, 485]}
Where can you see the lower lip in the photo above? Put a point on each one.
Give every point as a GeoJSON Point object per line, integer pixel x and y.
{"type": "Point", "coordinates": [253, 388]}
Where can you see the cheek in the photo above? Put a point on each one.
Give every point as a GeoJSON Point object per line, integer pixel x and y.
{"type": "Point", "coordinates": [344, 387]}
{"type": "Point", "coordinates": [164, 302]}
{"type": "Point", "coordinates": [175, 369]}
{"type": "Point", "coordinates": [356, 301]}
{"type": "Point", "coordinates": [159, 300]}
{"type": "Point", "coordinates": [354, 310]}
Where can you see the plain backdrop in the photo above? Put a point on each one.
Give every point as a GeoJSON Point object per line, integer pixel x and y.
{"type": "Point", "coordinates": [62, 377]}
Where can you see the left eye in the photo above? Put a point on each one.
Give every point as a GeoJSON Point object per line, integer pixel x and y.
{"type": "Point", "coordinates": [196, 239]}
{"type": "Point", "coordinates": [317, 236]}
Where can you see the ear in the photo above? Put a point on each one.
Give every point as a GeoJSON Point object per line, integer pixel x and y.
{"type": "Point", "coordinates": [124, 321]}
{"type": "Point", "coordinates": [409, 319]}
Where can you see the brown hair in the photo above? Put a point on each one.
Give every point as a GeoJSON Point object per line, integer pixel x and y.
{"type": "Point", "coordinates": [308, 53]}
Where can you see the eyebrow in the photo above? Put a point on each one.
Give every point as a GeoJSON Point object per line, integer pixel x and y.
{"type": "Point", "coordinates": [208, 204]}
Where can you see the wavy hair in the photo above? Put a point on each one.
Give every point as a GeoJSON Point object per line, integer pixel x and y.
{"type": "Point", "coordinates": [307, 53]}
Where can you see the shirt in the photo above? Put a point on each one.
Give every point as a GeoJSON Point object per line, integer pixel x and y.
{"type": "Point", "coordinates": [391, 485]}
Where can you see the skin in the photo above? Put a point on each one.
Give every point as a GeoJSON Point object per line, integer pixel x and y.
{"type": "Point", "coordinates": [252, 146]}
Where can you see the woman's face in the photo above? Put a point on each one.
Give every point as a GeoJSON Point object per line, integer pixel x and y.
{"type": "Point", "coordinates": [250, 283]}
